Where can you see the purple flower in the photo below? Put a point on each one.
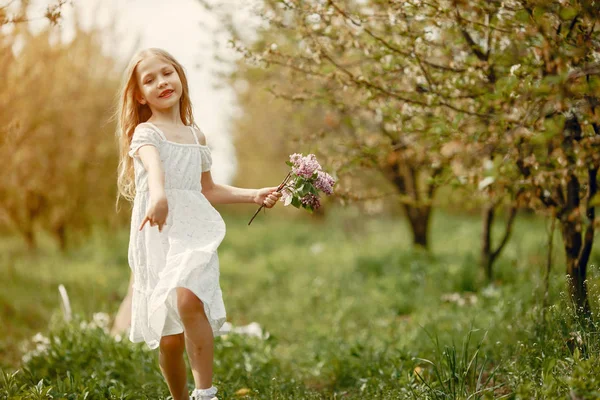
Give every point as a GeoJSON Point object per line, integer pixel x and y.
{"type": "Point", "coordinates": [296, 159]}
{"type": "Point", "coordinates": [305, 166]}
{"type": "Point", "coordinates": [324, 182]}
{"type": "Point", "coordinates": [310, 200]}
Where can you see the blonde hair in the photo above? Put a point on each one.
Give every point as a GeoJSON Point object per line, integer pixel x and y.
{"type": "Point", "coordinates": [130, 113]}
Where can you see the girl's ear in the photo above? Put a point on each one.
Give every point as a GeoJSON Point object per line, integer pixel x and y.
{"type": "Point", "coordinates": [140, 99]}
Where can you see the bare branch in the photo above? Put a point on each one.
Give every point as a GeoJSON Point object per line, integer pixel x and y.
{"type": "Point", "coordinates": [387, 44]}
{"type": "Point", "coordinates": [591, 69]}
{"type": "Point", "coordinates": [509, 226]}
{"type": "Point", "coordinates": [472, 45]}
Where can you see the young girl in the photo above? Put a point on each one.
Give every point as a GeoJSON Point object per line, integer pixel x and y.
{"type": "Point", "coordinates": [164, 169]}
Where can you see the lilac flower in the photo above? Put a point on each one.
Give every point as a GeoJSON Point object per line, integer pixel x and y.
{"type": "Point", "coordinates": [306, 166]}
{"type": "Point", "coordinates": [324, 182]}
{"type": "Point", "coordinates": [311, 200]}
{"type": "Point", "coordinates": [286, 196]}
{"type": "Point", "coordinates": [296, 159]}
{"type": "Point", "coordinates": [303, 183]}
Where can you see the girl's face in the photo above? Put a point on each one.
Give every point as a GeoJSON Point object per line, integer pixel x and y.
{"type": "Point", "coordinates": [159, 83]}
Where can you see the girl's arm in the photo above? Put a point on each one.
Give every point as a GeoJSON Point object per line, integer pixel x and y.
{"type": "Point", "coordinates": [224, 194]}
{"type": "Point", "coordinates": [158, 210]}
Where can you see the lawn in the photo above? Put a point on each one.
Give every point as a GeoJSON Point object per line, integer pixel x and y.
{"type": "Point", "coordinates": [351, 311]}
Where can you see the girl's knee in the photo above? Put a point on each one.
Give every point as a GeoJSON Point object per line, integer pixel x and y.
{"type": "Point", "coordinates": [172, 344]}
{"type": "Point", "coordinates": [188, 304]}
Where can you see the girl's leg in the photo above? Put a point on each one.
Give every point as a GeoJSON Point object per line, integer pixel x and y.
{"type": "Point", "coordinates": [123, 317]}
{"type": "Point", "coordinates": [198, 337]}
{"type": "Point", "coordinates": [172, 365]}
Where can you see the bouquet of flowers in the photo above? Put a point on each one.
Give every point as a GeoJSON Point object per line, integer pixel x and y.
{"type": "Point", "coordinates": [303, 183]}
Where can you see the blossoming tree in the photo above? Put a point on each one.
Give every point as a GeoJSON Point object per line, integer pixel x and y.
{"type": "Point", "coordinates": [498, 97]}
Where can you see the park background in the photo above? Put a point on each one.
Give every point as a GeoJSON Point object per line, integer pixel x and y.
{"type": "Point", "coordinates": [457, 258]}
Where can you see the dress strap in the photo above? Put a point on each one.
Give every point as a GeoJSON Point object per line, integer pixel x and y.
{"type": "Point", "coordinates": [194, 133]}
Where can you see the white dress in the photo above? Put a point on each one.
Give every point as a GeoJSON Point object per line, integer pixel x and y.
{"type": "Point", "coordinates": [184, 254]}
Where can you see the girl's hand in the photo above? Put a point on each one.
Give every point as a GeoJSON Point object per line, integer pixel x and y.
{"type": "Point", "coordinates": [157, 213]}
{"type": "Point", "coordinates": [267, 197]}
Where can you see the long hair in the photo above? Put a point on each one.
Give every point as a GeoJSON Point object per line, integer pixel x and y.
{"type": "Point", "coordinates": [130, 113]}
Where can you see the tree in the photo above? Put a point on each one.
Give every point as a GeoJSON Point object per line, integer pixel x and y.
{"type": "Point", "coordinates": [53, 12]}
{"type": "Point", "coordinates": [542, 130]}
{"type": "Point", "coordinates": [498, 96]}
{"type": "Point", "coordinates": [58, 149]}
{"type": "Point", "coordinates": [354, 81]}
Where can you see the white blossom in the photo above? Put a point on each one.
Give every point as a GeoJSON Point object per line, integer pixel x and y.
{"type": "Point", "coordinates": [40, 339]}
{"type": "Point", "coordinates": [461, 56]}
{"type": "Point", "coordinates": [490, 291]}
{"type": "Point", "coordinates": [458, 299]}
{"type": "Point", "coordinates": [317, 248]}
{"type": "Point", "coordinates": [391, 18]}
{"type": "Point", "coordinates": [514, 69]}
{"type": "Point", "coordinates": [485, 182]}
{"type": "Point", "coordinates": [253, 329]}
{"type": "Point", "coordinates": [378, 115]}
{"type": "Point", "coordinates": [101, 320]}
{"type": "Point", "coordinates": [41, 342]}
{"type": "Point", "coordinates": [387, 59]}
{"type": "Point", "coordinates": [432, 33]}
{"type": "Point", "coordinates": [313, 18]}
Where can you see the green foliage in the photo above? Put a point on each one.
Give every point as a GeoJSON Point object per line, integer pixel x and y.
{"type": "Point", "coordinates": [459, 374]}
{"type": "Point", "coordinates": [82, 358]}
{"type": "Point", "coordinates": [348, 313]}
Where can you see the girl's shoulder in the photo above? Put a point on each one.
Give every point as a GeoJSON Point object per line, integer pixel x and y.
{"type": "Point", "coordinates": [147, 129]}
{"type": "Point", "coordinates": [144, 126]}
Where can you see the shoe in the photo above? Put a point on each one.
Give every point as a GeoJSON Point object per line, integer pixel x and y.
{"type": "Point", "coordinates": [204, 394]}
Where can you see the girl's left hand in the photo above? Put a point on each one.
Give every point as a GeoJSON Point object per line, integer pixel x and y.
{"type": "Point", "coordinates": [267, 197]}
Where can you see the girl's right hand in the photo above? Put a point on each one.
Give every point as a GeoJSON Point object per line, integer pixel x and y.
{"type": "Point", "coordinates": [157, 214]}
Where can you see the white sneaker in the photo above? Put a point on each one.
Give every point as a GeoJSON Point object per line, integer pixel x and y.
{"type": "Point", "coordinates": [204, 394]}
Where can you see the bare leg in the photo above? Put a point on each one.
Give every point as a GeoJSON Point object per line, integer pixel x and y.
{"type": "Point", "coordinates": [172, 365]}
{"type": "Point", "coordinates": [123, 317]}
{"type": "Point", "coordinates": [198, 337]}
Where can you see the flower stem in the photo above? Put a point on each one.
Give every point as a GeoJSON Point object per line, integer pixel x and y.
{"type": "Point", "coordinates": [281, 185]}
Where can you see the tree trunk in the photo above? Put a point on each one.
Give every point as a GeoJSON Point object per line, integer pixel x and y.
{"type": "Point", "coordinates": [488, 255]}
{"type": "Point", "coordinates": [576, 269]}
{"type": "Point", "coordinates": [61, 236]}
{"type": "Point", "coordinates": [418, 209]}
{"type": "Point", "coordinates": [548, 265]}
{"type": "Point", "coordinates": [29, 237]}
{"type": "Point", "coordinates": [418, 218]}
{"type": "Point", "coordinates": [578, 245]}
{"type": "Point", "coordinates": [486, 242]}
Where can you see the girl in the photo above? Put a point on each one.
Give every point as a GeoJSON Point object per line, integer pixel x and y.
{"type": "Point", "coordinates": [164, 169]}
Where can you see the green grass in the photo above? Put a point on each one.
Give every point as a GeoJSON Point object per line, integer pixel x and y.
{"type": "Point", "coordinates": [352, 311]}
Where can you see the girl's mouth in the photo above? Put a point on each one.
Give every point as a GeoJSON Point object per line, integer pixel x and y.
{"type": "Point", "coordinates": [166, 94]}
